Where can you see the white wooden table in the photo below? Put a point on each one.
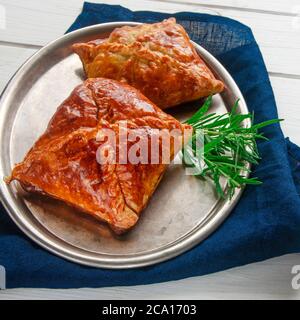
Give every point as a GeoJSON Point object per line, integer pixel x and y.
{"type": "Point", "coordinates": [25, 26]}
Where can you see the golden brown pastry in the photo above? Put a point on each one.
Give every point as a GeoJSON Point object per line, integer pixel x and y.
{"type": "Point", "coordinates": [63, 162]}
{"type": "Point", "coordinates": [158, 59]}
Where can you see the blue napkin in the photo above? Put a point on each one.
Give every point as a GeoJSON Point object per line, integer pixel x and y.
{"type": "Point", "coordinates": [264, 224]}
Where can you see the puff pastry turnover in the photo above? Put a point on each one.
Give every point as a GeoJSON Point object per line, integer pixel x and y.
{"type": "Point", "coordinates": [158, 59]}
{"type": "Point", "coordinates": [62, 163]}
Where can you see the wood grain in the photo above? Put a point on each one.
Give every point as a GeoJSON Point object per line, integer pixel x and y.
{"type": "Point", "coordinates": [258, 6]}
{"type": "Point", "coordinates": [270, 279]}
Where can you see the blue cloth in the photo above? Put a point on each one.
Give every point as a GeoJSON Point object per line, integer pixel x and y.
{"type": "Point", "coordinates": [264, 224]}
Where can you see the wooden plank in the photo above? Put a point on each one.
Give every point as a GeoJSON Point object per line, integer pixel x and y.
{"type": "Point", "coordinates": [29, 22]}
{"type": "Point", "coordinates": [11, 59]}
{"type": "Point", "coordinates": [287, 98]}
{"type": "Point", "coordinates": [285, 7]}
{"type": "Point", "coordinates": [270, 279]}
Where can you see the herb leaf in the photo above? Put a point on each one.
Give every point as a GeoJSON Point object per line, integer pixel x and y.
{"type": "Point", "coordinates": [229, 147]}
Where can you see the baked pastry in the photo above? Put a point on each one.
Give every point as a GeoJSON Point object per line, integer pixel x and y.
{"type": "Point", "coordinates": [64, 162]}
{"type": "Point", "coordinates": [158, 59]}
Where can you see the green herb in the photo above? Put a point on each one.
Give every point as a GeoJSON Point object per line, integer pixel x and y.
{"type": "Point", "coordinates": [224, 146]}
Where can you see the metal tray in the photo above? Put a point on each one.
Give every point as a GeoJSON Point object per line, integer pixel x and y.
{"type": "Point", "coordinates": [182, 212]}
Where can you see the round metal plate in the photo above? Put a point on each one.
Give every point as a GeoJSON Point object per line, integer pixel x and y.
{"type": "Point", "coordinates": [182, 212]}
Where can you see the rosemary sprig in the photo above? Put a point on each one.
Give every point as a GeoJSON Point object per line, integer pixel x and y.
{"type": "Point", "coordinates": [227, 147]}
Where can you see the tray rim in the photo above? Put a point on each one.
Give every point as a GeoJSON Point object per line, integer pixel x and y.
{"type": "Point", "coordinates": [113, 261]}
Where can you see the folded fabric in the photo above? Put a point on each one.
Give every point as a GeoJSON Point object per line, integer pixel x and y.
{"type": "Point", "coordinates": [266, 221]}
